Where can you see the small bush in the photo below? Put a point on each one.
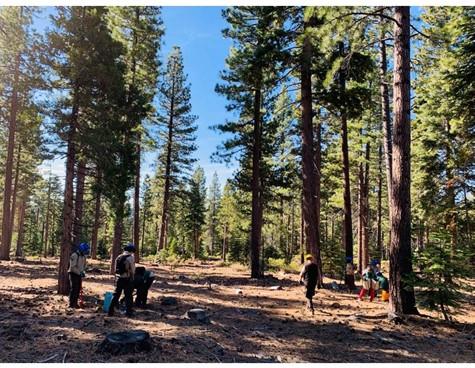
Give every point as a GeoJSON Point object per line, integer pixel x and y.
{"type": "Point", "coordinates": [279, 264]}
{"type": "Point", "coordinates": [438, 280]}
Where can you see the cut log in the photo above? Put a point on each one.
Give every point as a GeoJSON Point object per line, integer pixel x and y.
{"type": "Point", "coordinates": [125, 342]}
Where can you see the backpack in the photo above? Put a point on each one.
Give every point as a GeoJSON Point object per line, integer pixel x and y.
{"type": "Point", "coordinates": [120, 264]}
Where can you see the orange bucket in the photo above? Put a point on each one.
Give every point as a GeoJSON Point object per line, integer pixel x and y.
{"type": "Point", "coordinates": [384, 296]}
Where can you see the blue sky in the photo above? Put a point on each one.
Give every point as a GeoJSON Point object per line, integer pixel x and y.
{"type": "Point", "coordinates": [197, 30]}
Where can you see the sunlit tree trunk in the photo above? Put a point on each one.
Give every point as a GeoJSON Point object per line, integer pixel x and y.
{"type": "Point", "coordinates": [402, 300]}
{"type": "Point", "coordinates": [7, 186]}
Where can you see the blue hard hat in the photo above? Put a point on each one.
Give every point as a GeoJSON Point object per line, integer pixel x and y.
{"type": "Point", "coordinates": [374, 262]}
{"type": "Point", "coordinates": [84, 248]}
{"type": "Point", "coordinates": [130, 248]}
{"type": "Point", "coordinates": [349, 259]}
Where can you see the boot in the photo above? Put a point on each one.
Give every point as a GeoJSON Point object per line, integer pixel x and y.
{"type": "Point", "coordinates": [362, 294]}
{"type": "Point", "coordinates": [371, 295]}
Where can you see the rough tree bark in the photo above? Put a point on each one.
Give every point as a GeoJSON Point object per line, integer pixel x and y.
{"type": "Point", "coordinates": [97, 220]}
{"type": "Point", "coordinates": [166, 190]}
{"type": "Point", "coordinates": [79, 202]}
{"type": "Point", "coordinates": [363, 216]}
{"type": "Point", "coordinates": [66, 237]}
{"type": "Point", "coordinates": [223, 254]}
{"type": "Point", "coordinates": [136, 225]}
{"type": "Point", "coordinates": [379, 235]}
{"type": "Point", "coordinates": [7, 186]}
{"type": "Point", "coordinates": [21, 229]}
{"type": "Point", "coordinates": [48, 205]}
{"type": "Point", "coordinates": [365, 208]}
{"type": "Point", "coordinates": [402, 300]}
{"type": "Point", "coordinates": [451, 217]}
{"type": "Point", "coordinates": [117, 240]}
{"type": "Point", "coordinates": [347, 223]}
{"type": "Point", "coordinates": [256, 188]}
{"type": "Point", "coordinates": [318, 181]}
{"type": "Point", "coordinates": [386, 120]}
{"type": "Point", "coordinates": [309, 205]}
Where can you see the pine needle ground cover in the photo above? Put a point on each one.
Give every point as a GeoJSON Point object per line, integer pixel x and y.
{"type": "Point", "coordinates": [258, 324]}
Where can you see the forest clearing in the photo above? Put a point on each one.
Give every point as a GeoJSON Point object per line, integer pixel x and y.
{"type": "Point", "coordinates": [263, 170]}
{"type": "Point", "coordinates": [256, 325]}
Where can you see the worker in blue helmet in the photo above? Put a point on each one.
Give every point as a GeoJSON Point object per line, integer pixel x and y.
{"type": "Point", "coordinates": [76, 271]}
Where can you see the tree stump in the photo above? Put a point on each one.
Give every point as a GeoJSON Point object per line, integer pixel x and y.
{"type": "Point", "coordinates": [125, 342]}
{"type": "Point", "coordinates": [198, 314]}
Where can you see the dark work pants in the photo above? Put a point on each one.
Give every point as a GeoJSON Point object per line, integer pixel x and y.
{"type": "Point", "coordinates": [75, 288]}
{"type": "Point", "coordinates": [127, 286]}
{"type": "Point", "coordinates": [142, 293]}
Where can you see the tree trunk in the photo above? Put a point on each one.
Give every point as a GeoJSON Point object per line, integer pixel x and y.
{"type": "Point", "coordinates": [136, 230]}
{"type": "Point", "coordinates": [144, 222]}
{"type": "Point", "coordinates": [66, 237]}
{"type": "Point", "coordinates": [116, 244]}
{"type": "Point", "coordinates": [292, 229]}
{"type": "Point", "coordinates": [363, 228]}
{"type": "Point", "coordinates": [53, 237]}
{"type": "Point", "coordinates": [309, 205]}
{"type": "Point", "coordinates": [451, 217]}
{"type": "Point", "coordinates": [386, 121]}
{"type": "Point", "coordinates": [79, 202]}
{"type": "Point", "coordinates": [302, 234]}
{"type": "Point", "coordinates": [256, 217]}
{"type": "Point", "coordinates": [48, 205]}
{"type": "Point", "coordinates": [97, 221]}
{"type": "Point", "coordinates": [347, 222]}
{"type": "Point", "coordinates": [365, 215]}
{"type": "Point", "coordinates": [223, 257]}
{"type": "Point", "coordinates": [43, 239]}
{"type": "Point", "coordinates": [15, 190]}
{"type": "Point", "coordinates": [402, 300]}
{"type": "Point", "coordinates": [166, 191]}
{"type": "Point", "coordinates": [7, 186]}
{"type": "Point", "coordinates": [318, 180]}
{"type": "Point", "coordinates": [361, 263]}
{"type": "Point", "coordinates": [379, 236]}
{"type": "Point", "coordinates": [21, 229]}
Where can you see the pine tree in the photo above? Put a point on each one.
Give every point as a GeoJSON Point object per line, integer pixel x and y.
{"type": "Point", "coordinates": [254, 66]}
{"type": "Point", "coordinates": [139, 29]}
{"type": "Point", "coordinates": [196, 211]}
{"type": "Point", "coordinates": [90, 76]}
{"type": "Point", "coordinates": [177, 133]}
{"type": "Point", "coordinates": [19, 53]}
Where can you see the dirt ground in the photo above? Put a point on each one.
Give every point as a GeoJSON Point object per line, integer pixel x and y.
{"type": "Point", "coordinates": [250, 322]}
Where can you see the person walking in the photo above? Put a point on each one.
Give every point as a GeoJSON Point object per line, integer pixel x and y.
{"type": "Point", "coordinates": [309, 277]}
{"type": "Point", "coordinates": [125, 270]}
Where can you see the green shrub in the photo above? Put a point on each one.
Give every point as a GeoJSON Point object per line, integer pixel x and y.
{"type": "Point", "coordinates": [439, 275]}
{"type": "Point", "coordinates": [279, 264]}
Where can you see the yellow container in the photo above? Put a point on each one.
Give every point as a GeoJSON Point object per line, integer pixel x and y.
{"type": "Point", "coordinates": [384, 296]}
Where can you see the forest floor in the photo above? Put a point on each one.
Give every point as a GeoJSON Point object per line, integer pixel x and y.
{"type": "Point", "coordinates": [250, 322]}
